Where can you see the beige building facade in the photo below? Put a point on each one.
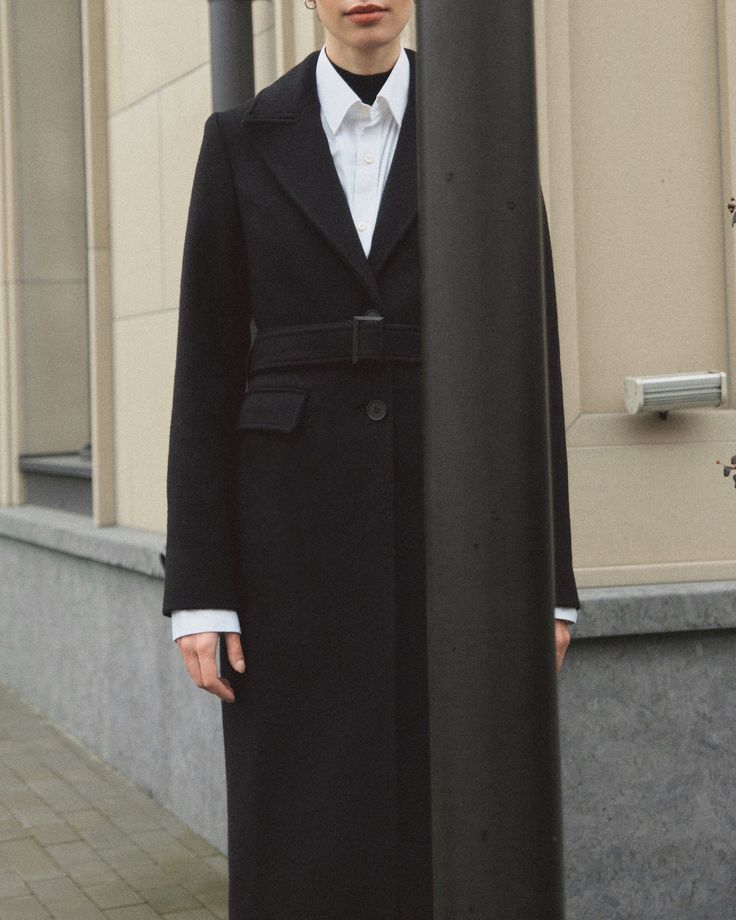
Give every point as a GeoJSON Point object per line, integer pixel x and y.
{"type": "Point", "coordinates": [102, 107]}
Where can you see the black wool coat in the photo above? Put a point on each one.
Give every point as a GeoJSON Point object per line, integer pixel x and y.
{"type": "Point", "coordinates": [298, 503]}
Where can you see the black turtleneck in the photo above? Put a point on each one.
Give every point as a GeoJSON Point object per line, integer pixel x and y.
{"type": "Point", "coordinates": [366, 85]}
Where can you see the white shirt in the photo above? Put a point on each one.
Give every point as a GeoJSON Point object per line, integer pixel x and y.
{"type": "Point", "coordinates": [362, 141]}
{"type": "Point", "coordinates": [362, 137]}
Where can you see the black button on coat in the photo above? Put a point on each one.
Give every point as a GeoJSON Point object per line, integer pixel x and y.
{"type": "Point", "coordinates": [376, 409]}
{"type": "Point", "coordinates": [291, 504]}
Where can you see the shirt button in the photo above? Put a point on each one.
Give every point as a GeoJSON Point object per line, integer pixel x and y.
{"type": "Point", "coordinates": [376, 410]}
{"type": "Point", "coordinates": [362, 225]}
{"type": "Point", "coordinates": [368, 157]}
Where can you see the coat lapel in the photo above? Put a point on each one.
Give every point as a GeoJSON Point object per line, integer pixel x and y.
{"type": "Point", "coordinates": [284, 125]}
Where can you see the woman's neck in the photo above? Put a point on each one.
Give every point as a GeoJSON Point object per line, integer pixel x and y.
{"type": "Point", "coordinates": [366, 86]}
{"type": "Point", "coordinates": [363, 60]}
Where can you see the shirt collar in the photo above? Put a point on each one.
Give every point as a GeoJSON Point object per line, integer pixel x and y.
{"type": "Point", "coordinates": [336, 98]}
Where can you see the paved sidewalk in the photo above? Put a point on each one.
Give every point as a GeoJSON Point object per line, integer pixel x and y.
{"type": "Point", "coordinates": [79, 842]}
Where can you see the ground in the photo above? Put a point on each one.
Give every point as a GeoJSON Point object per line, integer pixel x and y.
{"type": "Point", "coordinates": [80, 842]}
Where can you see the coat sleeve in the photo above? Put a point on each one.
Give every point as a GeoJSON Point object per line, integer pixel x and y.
{"type": "Point", "coordinates": [566, 594]}
{"type": "Point", "coordinates": [201, 566]}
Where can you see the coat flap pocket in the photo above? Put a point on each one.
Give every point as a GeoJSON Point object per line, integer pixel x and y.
{"type": "Point", "coordinates": [272, 410]}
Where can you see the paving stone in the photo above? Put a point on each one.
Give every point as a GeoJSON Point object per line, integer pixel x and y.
{"type": "Point", "coordinates": [104, 835]}
{"type": "Point", "coordinates": [21, 797]}
{"type": "Point", "coordinates": [168, 822]}
{"type": "Point", "coordinates": [192, 915]}
{"type": "Point", "coordinates": [99, 791]}
{"type": "Point", "coordinates": [59, 832]}
{"type": "Point", "coordinates": [27, 908]}
{"type": "Point", "coordinates": [197, 875]}
{"type": "Point", "coordinates": [12, 886]}
{"type": "Point", "coordinates": [113, 894]}
{"type": "Point", "coordinates": [29, 809]}
{"type": "Point", "coordinates": [220, 912]}
{"type": "Point", "coordinates": [142, 873]}
{"type": "Point", "coordinates": [12, 829]}
{"type": "Point", "coordinates": [71, 854]}
{"type": "Point", "coordinates": [37, 816]}
{"type": "Point", "coordinates": [69, 903]}
{"type": "Point", "coordinates": [162, 847]}
{"type": "Point", "coordinates": [92, 872]}
{"type": "Point", "coordinates": [29, 860]}
{"type": "Point", "coordinates": [213, 895]}
{"type": "Point", "coordinates": [127, 850]}
{"type": "Point", "coordinates": [139, 912]}
{"type": "Point", "coordinates": [135, 821]}
{"type": "Point", "coordinates": [74, 771]}
{"type": "Point", "coordinates": [54, 889]}
{"type": "Point", "coordinates": [65, 763]}
{"type": "Point", "coordinates": [219, 864]}
{"type": "Point", "coordinates": [9, 745]}
{"type": "Point", "coordinates": [81, 820]}
{"type": "Point", "coordinates": [214, 898]}
{"type": "Point", "coordinates": [9, 782]}
{"type": "Point", "coordinates": [114, 804]}
{"type": "Point", "coordinates": [170, 898]}
{"type": "Point", "coordinates": [65, 900]}
{"type": "Point", "coordinates": [76, 910]}
{"type": "Point", "coordinates": [26, 767]}
{"type": "Point", "coordinates": [57, 794]}
{"type": "Point", "coordinates": [193, 842]}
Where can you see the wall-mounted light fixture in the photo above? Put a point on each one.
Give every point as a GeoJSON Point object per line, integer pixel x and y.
{"type": "Point", "coordinates": [674, 391]}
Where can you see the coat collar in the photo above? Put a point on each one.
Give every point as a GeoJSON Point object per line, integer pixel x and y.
{"type": "Point", "coordinates": [283, 122]}
{"type": "Point", "coordinates": [337, 98]}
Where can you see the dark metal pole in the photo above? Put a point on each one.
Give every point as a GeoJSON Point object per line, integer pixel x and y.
{"type": "Point", "coordinates": [231, 41]}
{"type": "Point", "coordinates": [493, 706]}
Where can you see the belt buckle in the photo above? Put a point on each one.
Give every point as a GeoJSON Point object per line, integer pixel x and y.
{"type": "Point", "coordinates": [372, 317]}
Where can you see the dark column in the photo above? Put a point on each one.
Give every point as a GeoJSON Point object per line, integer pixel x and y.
{"type": "Point", "coordinates": [231, 41]}
{"type": "Point", "coordinates": [495, 757]}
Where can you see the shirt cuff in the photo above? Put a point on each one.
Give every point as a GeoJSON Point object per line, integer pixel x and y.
{"type": "Point", "coordinates": [566, 613]}
{"type": "Point", "coordinates": [188, 622]}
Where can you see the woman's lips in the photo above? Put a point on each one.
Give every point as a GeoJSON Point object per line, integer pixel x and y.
{"type": "Point", "coordinates": [366, 14]}
{"type": "Point", "coordinates": [366, 17]}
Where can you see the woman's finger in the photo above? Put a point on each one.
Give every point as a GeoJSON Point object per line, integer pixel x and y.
{"type": "Point", "coordinates": [192, 665]}
{"type": "Point", "coordinates": [235, 651]}
{"type": "Point", "coordinates": [191, 661]}
{"type": "Point", "coordinates": [211, 680]}
{"type": "Point", "coordinates": [562, 641]}
{"type": "Point", "coordinates": [199, 653]}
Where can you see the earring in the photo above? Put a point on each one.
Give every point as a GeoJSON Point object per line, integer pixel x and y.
{"type": "Point", "coordinates": [312, 5]}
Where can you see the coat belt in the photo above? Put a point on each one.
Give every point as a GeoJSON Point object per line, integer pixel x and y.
{"type": "Point", "coordinates": [368, 338]}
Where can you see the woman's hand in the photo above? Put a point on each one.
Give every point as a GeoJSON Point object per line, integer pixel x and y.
{"type": "Point", "coordinates": [562, 640]}
{"type": "Point", "coordinates": [199, 653]}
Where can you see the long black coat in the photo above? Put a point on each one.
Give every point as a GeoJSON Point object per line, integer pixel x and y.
{"type": "Point", "coordinates": [294, 504]}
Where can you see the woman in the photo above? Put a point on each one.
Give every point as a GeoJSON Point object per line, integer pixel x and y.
{"type": "Point", "coordinates": [295, 479]}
